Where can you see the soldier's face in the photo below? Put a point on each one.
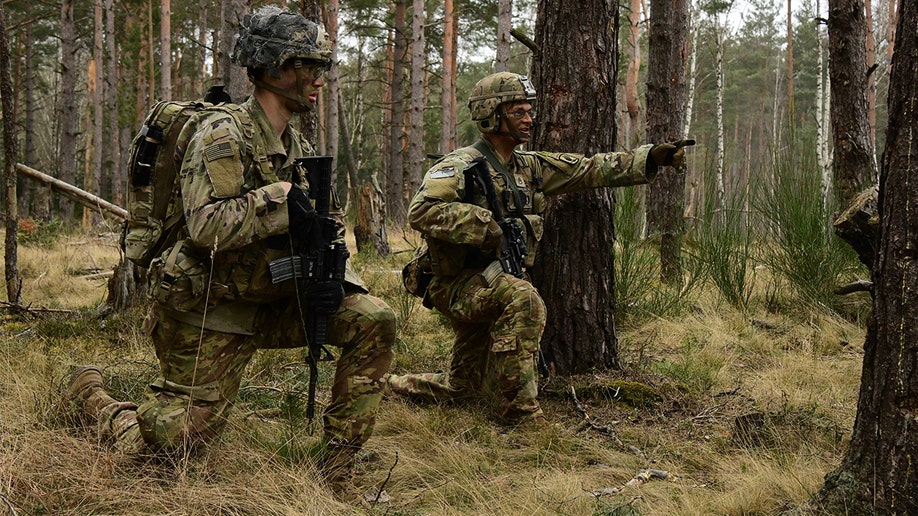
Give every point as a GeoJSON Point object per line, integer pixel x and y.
{"type": "Point", "coordinates": [517, 120]}
{"type": "Point", "coordinates": [303, 83]}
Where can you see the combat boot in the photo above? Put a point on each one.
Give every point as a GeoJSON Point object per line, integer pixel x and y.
{"type": "Point", "coordinates": [336, 466]}
{"type": "Point", "coordinates": [84, 401]}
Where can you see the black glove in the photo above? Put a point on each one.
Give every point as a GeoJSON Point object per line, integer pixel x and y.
{"type": "Point", "coordinates": [325, 297]}
{"type": "Point", "coordinates": [670, 154]}
{"type": "Point", "coordinates": [301, 213]}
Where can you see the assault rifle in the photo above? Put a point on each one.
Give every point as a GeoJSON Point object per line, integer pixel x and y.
{"type": "Point", "coordinates": [513, 249]}
{"type": "Point", "coordinates": [322, 260]}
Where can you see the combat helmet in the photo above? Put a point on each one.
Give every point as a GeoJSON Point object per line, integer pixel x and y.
{"type": "Point", "coordinates": [270, 36]}
{"type": "Point", "coordinates": [494, 90]}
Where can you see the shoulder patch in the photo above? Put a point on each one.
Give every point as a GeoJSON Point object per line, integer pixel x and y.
{"type": "Point", "coordinates": [220, 150]}
{"type": "Point", "coordinates": [443, 173]}
{"type": "Point", "coordinates": [573, 159]}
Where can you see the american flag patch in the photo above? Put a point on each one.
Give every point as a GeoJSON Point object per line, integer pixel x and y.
{"type": "Point", "coordinates": [220, 150]}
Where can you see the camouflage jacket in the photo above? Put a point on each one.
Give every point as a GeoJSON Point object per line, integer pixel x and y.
{"type": "Point", "coordinates": [454, 222]}
{"type": "Point", "coordinates": [235, 210]}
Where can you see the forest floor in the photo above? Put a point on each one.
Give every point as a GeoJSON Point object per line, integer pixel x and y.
{"type": "Point", "coordinates": [716, 411]}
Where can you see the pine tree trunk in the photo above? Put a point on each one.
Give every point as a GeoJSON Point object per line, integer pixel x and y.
{"type": "Point", "coordinates": [11, 259]}
{"type": "Point", "coordinates": [165, 50]}
{"type": "Point", "coordinates": [668, 46]}
{"type": "Point", "coordinates": [573, 270]}
{"type": "Point", "coordinates": [93, 178]}
{"type": "Point", "coordinates": [67, 109]}
{"type": "Point", "coordinates": [504, 17]}
{"type": "Point", "coordinates": [853, 165]}
{"type": "Point", "coordinates": [234, 77]}
{"type": "Point", "coordinates": [871, 49]}
{"type": "Point", "coordinates": [632, 101]}
{"type": "Point", "coordinates": [447, 94]}
{"type": "Point", "coordinates": [332, 86]}
{"type": "Point", "coordinates": [877, 475]}
{"type": "Point", "coordinates": [395, 178]}
{"type": "Point", "coordinates": [414, 165]}
{"type": "Point", "coordinates": [113, 144]}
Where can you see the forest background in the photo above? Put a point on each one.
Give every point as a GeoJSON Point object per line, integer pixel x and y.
{"type": "Point", "coordinates": [741, 381]}
{"type": "Point", "coordinates": [111, 54]}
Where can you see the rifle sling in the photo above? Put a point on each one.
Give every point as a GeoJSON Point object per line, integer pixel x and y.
{"type": "Point", "coordinates": [485, 151]}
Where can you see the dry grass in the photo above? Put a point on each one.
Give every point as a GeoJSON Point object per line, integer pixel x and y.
{"type": "Point", "coordinates": [797, 381]}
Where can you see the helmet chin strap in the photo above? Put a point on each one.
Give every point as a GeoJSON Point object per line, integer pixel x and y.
{"type": "Point", "coordinates": [303, 102]}
{"type": "Point", "coordinates": [517, 136]}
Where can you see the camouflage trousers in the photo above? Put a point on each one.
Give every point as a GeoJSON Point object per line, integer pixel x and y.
{"type": "Point", "coordinates": [189, 404]}
{"type": "Point", "coordinates": [497, 331]}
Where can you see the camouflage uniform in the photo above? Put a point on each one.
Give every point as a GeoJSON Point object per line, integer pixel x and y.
{"type": "Point", "coordinates": [498, 319]}
{"type": "Point", "coordinates": [209, 318]}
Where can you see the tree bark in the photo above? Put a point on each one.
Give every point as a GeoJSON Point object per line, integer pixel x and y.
{"type": "Point", "coordinates": [11, 258]}
{"type": "Point", "coordinates": [853, 165]}
{"type": "Point", "coordinates": [93, 178]}
{"type": "Point", "coordinates": [113, 145]}
{"type": "Point", "coordinates": [573, 270]}
{"type": "Point", "coordinates": [165, 50]}
{"type": "Point", "coordinates": [448, 91]}
{"type": "Point", "coordinates": [632, 101]}
{"type": "Point", "coordinates": [667, 55]}
{"type": "Point", "coordinates": [67, 109]}
{"type": "Point", "coordinates": [333, 87]}
{"type": "Point", "coordinates": [877, 475]}
{"type": "Point", "coordinates": [395, 178]}
{"type": "Point", "coordinates": [234, 77]}
{"type": "Point", "coordinates": [504, 17]}
{"type": "Point", "coordinates": [415, 162]}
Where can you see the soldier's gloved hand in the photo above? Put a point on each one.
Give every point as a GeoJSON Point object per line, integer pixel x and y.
{"type": "Point", "coordinates": [325, 297]}
{"type": "Point", "coordinates": [300, 212]}
{"type": "Point", "coordinates": [671, 154]}
{"type": "Point", "coordinates": [494, 236]}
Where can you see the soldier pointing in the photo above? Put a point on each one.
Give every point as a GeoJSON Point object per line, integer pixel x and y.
{"type": "Point", "coordinates": [495, 312]}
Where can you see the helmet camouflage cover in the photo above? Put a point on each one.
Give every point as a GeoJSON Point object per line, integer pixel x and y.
{"type": "Point", "coordinates": [270, 36]}
{"type": "Point", "coordinates": [494, 90]}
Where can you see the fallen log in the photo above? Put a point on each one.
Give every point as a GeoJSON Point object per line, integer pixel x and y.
{"type": "Point", "coordinates": [77, 194]}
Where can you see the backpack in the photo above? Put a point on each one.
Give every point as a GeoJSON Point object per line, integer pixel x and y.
{"type": "Point", "coordinates": [417, 273]}
{"type": "Point", "coordinates": [156, 155]}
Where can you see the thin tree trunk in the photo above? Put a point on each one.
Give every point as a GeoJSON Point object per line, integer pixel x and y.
{"type": "Point", "coordinates": [790, 67]}
{"type": "Point", "coordinates": [871, 49]}
{"type": "Point", "coordinates": [720, 193]}
{"type": "Point", "coordinates": [234, 77]}
{"type": "Point", "coordinates": [573, 269]}
{"type": "Point", "coordinates": [667, 51]}
{"type": "Point", "coordinates": [201, 58]}
{"type": "Point", "coordinates": [113, 144]}
{"type": "Point", "coordinates": [67, 110]}
{"type": "Point", "coordinates": [165, 49]}
{"type": "Point", "coordinates": [447, 96]}
{"type": "Point", "coordinates": [41, 200]}
{"type": "Point", "coordinates": [395, 179]}
{"type": "Point", "coordinates": [332, 88]}
{"type": "Point", "coordinates": [11, 258]}
{"type": "Point", "coordinates": [877, 475]}
{"type": "Point", "coordinates": [822, 131]}
{"type": "Point", "coordinates": [94, 150]}
{"type": "Point", "coordinates": [504, 17]}
{"type": "Point", "coordinates": [416, 153]}
{"type": "Point", "coordinates": [632, 102]}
